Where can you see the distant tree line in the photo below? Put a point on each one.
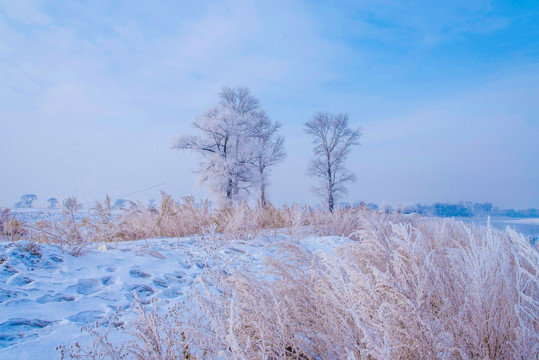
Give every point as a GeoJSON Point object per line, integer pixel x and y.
{"type": "Point", "coordinates": [461, 209]}
{"type": "Point", "coordinates": [27, 202]}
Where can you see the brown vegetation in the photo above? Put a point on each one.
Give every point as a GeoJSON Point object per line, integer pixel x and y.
{"type": "Point", "coordinates": [76, 231]}
{"type": "Point", "coordinates": [407, 288]}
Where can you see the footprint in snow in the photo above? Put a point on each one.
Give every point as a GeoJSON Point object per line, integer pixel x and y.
{"type": "Point", "coordinates": [10, 294]}
{"type": "Point", "coordinates": [16, 328]}
{"type": "Point", "coordinates": [20, 280]}
{"type": "Point", "coordinates": [108, 280]}
{"type": "Point", "coordinates": [8, 270]}
{"type": "Point", "coordinates": [160, 282]}
{"type": "Point", "coordinates": [143, 291]}
{"type": "Point", "coordinates": [56, 258]}
{"type": "Point", "coordinates": [178, 277]}
{"type": "Point", "coordinates": [59, 297]}
{"type": "Point", "coordinates": [87, 286]}
{"type": "Point", "coordinates": [137, 273]}
{"type": "Point", "coordinates": [87, 317]}
{"type": "Point", "coordinates": [22, 325]}
{"type": "Point", "coordinates": [8, 339]}
{"type": "Point", "coordinates": [172, 292]}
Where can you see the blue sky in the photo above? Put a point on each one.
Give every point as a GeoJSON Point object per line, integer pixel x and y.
{"type": "Point", "coordinates": [93, 92]}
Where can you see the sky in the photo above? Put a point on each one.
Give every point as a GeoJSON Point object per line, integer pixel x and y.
{"type": "Point", "coordinates": [92, 93]}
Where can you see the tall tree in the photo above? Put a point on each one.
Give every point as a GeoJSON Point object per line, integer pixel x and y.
{"type": "Point", "coordinates": [236, 137]}
{"type": "Point", "coordinates": [333, 140]}
{"type": "Point", "coordinates": [268, 151]}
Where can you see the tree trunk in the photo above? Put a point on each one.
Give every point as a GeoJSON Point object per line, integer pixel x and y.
{"type": "Point", "coordinates": [331, 199]}
{"type": "Point", "coordinates": [263, 201]}
{"type": "Point", "coordinates": [229, 191]}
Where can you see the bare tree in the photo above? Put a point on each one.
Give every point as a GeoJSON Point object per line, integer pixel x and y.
{"type": "Point", "coordinates": [236, 139]}
{"type": "Point", "coordinates": [239, 100]}
{"type": "Point", "coordinates": [333, 139]}
{"type": "Point", "coordinates": [268, 151]}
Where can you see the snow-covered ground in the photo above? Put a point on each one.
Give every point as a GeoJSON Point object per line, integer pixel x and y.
{"type": "Point", "coordinates": [32, 215]}
{"type": "Point", "coordinates": [47, 296]}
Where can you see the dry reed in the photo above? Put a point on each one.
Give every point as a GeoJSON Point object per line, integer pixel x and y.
{"type": "Point", "coordinates": [407, 288]}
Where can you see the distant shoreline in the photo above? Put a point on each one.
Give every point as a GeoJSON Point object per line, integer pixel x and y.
{"type": "Point", "coordinates": [526, 226]}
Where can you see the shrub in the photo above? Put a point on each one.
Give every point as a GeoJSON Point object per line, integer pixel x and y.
{"type": "Point", "coordinates": [11, 229]}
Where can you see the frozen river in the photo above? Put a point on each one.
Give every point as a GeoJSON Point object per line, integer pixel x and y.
{"type": "Point", "coordinates": [526, 226]}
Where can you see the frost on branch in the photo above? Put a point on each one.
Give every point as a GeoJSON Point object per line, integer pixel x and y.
{"type": "Point", "coordinates": [333, 140]}
{"type": "Point", "coordinates": [238, 143]}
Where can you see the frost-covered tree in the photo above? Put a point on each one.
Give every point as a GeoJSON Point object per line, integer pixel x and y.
{"type": "Point", "coordinates": [268, 151]}
{"type": "Point", "coordinates": [235, 137]}
{"type": "Point", "coordinates": [332, 139]}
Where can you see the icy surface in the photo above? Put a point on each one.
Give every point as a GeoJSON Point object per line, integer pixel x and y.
{"type": "Point", "coordinates": [46, 296]}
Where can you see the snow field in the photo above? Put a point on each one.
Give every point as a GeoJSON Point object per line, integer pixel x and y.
{"type": "Point", "coordinates": [47, 296]}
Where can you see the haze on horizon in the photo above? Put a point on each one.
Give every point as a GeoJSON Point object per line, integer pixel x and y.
{"type": "Point", "coordinates": [92, 94]}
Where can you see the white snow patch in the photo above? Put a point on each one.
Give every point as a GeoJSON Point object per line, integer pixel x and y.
{"type": "Point", "coordinates": [47, 296]}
